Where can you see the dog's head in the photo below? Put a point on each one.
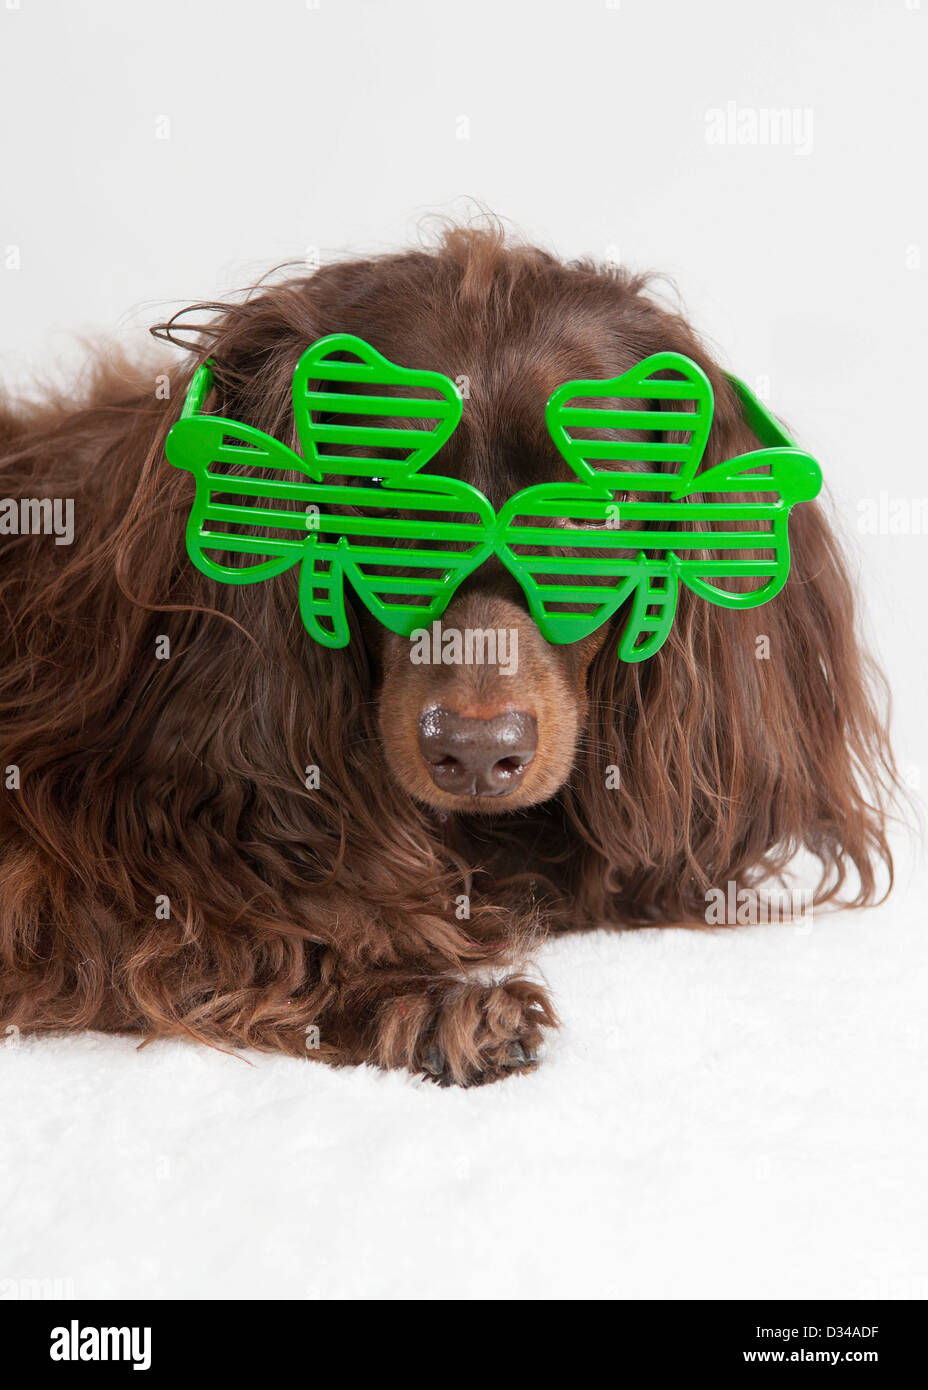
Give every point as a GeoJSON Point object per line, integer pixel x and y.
{"type": "Point", "coordinates": [718, 749]}
{"type": "Point", "coordinates": [480, 713]}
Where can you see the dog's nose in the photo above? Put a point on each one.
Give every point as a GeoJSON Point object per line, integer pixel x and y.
{"type": "Point", "coordinates": [477, 757]}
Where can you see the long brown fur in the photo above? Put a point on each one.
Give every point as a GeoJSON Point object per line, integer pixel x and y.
{"type": "Point", "coordinates": [292, 908]}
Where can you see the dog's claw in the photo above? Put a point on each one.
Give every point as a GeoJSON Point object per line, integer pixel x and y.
{"type": "Point", "coordinates": [433, 1062]}
{"type": "Point", "coordinates": [520, 1056]}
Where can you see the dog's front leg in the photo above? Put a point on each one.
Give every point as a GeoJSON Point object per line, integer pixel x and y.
{"type": "Point", "coordinates": [432, 1014]}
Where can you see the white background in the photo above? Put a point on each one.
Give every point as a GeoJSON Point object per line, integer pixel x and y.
{"type": "Point", "coordinates": [722, 1115]}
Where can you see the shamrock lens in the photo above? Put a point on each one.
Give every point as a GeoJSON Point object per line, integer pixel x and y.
{"type": "Point", "coordinates": [354, 506]}
{"type": "Point", "coordinates": [580, 553]}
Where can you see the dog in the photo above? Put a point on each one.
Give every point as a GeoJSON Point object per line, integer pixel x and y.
{"type": "Point", "coordinates": [213, 827]}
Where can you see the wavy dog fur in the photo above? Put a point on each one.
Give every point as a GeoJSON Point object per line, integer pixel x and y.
{"type": "Point", "coordinates": [145, 781]}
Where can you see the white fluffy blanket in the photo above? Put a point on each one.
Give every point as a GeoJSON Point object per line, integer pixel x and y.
{"type": "Point", "coordinates": [724, 1114]}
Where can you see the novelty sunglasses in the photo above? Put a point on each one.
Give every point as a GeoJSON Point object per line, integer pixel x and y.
{"type": "Point", "coordinates": [405, 541]}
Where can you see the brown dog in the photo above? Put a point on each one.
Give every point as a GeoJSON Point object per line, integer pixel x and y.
{"type": "Point", "coordinates": [167, 864]}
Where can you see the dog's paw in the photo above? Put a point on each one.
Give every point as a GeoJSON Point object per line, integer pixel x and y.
{"type": "Point", "coordinates": [466, 1034]}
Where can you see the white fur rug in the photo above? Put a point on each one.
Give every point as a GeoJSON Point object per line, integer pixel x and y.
{"type": "Point", "coordinates": [732, 1114]}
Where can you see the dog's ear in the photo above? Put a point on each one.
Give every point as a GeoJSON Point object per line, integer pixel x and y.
{"type": "Point", "coordinates": [752, 734]}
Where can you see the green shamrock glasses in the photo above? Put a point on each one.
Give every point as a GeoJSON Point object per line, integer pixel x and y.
{"type": "Point", "coordinates": [356, 506]}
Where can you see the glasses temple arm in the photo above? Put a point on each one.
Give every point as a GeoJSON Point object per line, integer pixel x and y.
{"type": "Point", "coordinates": [768, 430]}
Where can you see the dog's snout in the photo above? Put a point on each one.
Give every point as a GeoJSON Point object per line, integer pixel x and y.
{"type": "Point", "coordinates": [477, 757]}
